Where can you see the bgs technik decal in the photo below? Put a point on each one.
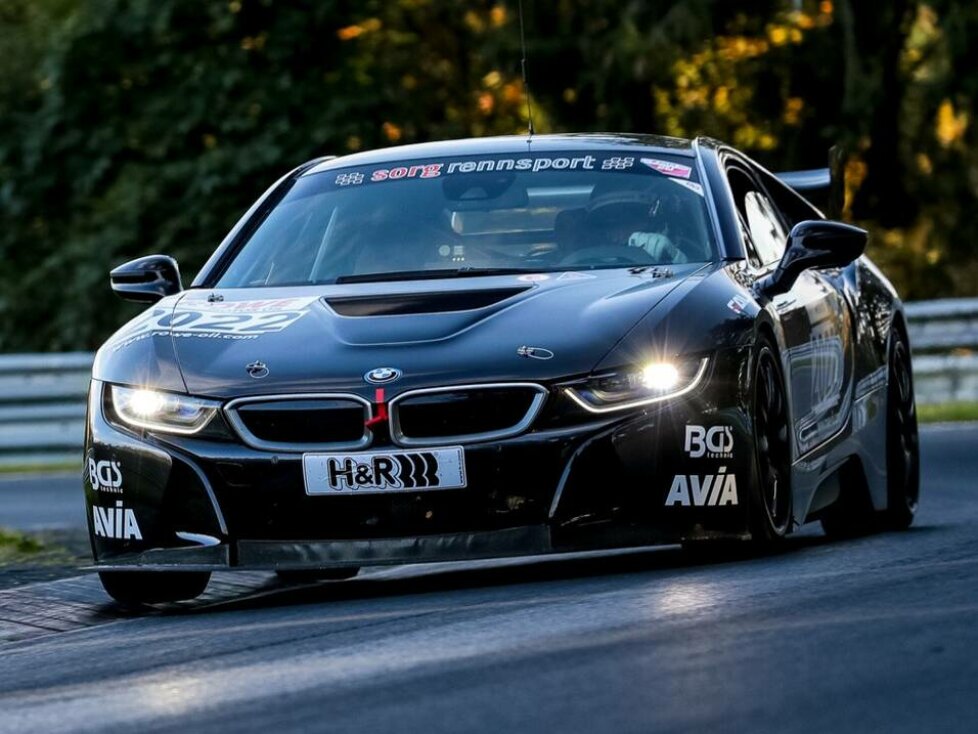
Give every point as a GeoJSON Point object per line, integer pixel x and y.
{"type": "Point", "coordinates": [217, 319]}
{"type": "Point", "coordinates": [714, 443]}
{"type": "Point", "coordinates": [105, 476]}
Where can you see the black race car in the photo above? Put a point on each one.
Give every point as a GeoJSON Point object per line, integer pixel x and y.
{"type": "Point", "coordinates": [498, 347]}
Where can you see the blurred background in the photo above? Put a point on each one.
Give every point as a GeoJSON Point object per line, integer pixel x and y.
{"type": "Point", "coordinates": [130, 127]}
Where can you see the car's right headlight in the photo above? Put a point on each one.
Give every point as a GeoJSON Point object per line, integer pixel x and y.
{"type": "Point", "coordinates": [167, 412]}
{"type": "Point", "coordinates": [638, 386]}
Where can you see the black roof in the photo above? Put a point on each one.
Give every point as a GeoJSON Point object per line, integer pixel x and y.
{"type": "Point", "coordinates": [511, 144]}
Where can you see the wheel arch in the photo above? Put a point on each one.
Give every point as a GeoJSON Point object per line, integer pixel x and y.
{"type": "Point", "coordinates": [766, 328]}
{"type": "Point", "coordinates": [898, 321]}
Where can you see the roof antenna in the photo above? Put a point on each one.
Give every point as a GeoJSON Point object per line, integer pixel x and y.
{"type": "Point", "coordinates": [526, 84]}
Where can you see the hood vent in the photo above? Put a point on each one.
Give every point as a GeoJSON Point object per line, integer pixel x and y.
{"type": "Point", "coordinates": [403, 304]}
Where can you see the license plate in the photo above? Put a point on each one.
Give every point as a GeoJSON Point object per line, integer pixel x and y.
{"type": "Point", "coordinates": [384, 471]}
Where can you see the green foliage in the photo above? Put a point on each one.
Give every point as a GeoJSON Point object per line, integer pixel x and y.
{"type": "Point", "coordinates": [16, 543]}
{"type": "Point", "coordinates": [136, 126]}
{"type": "Point", "coordinates": [946, 412]}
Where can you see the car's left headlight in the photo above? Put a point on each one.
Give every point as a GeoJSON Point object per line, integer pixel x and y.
{"type": "Point", "coordinates": [162, 411]}
{"type": "Point", "coordinates": [644, 384]}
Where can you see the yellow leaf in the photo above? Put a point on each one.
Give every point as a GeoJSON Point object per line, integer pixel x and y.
{"type": "Point", "coordinates": [950, 125]}
{"type": "Point", "coordinates": [349, 33]}
{"type": "Point", "coordinates": [492, 79]}
{"type": "Point", "coordinates": [778, 34]}
{"type": "Point", "coordinates": [391, 131]}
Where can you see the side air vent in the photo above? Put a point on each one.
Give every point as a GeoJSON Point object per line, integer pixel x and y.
{"type": "Point", "coordinates": [404, 304]}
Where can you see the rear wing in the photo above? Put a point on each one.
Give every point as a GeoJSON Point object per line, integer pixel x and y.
{"type": "Point", "coordinates": [823, 187]}
{"type": "Point", "coordinates": [815, 179]}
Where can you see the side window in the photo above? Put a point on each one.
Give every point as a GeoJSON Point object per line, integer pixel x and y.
{"type": "Point", "coordinates": [767, 234]}
{"type": "Point", "coordinates": [793, 207]}
{"type": "Point", "coordinates": [765, 227]}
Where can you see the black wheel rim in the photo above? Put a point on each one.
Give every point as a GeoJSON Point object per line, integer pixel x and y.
{"type": "Point", "coordinates": [902, 443]}
{"type": "Point", "coordinates": [771, 440]}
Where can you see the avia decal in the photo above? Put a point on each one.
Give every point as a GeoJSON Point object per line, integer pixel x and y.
{"type": "Point", "coordinates": [714, 443]}
{"type": "Point", "coordinates": [118, 523]}
{"type": "Point", "coordinates": [711, 490]}
{"type": "Point", "coordinates": [105, 476]}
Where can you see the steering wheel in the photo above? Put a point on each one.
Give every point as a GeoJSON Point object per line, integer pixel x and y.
{"type": "Point", "coordinates": [538, 254]}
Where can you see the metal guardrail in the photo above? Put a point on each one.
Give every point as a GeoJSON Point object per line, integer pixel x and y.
{"type": "Point", "coordinates": [42, 396]}
{"type": "Point", "coordinates": [944, 338]}
{"type": "Point", "coordinates": [945, 325]}
{"type": "Point", "coordinates": [42, 407]}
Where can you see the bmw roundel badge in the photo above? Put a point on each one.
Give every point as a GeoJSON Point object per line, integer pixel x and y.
{"type": "Point", "coordinates": [382, 375]}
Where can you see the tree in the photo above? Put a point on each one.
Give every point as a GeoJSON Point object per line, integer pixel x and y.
{"type": "Point", "coordinates": [137, 126]}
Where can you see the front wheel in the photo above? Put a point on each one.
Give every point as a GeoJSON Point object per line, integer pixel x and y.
{"type": "Point", "coordinates": [770, 496]}
{"type": "Point", "coordinates": [134, 588]}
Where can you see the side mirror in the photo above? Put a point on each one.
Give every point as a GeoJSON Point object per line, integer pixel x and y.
{"type": "Point", "coordinates": [147, 279]}
{"type": "Point", "coordinates": [814, 244]}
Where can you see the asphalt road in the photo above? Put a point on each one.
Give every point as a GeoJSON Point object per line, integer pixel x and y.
{"type": "Point", "coordinates": [42, 501]}
{"type": "Point", "coordinates": [874, 634]}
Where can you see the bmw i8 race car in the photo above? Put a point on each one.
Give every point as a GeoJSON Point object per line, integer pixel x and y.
{"type": "Point", "coordinates": [497, 347]}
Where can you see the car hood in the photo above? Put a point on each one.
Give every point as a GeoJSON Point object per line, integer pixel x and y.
{"type": "Point", "coordinates": [436, 332]}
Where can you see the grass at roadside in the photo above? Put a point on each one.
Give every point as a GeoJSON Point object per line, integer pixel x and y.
{"type": "Point", "coordinates": [43, 547]}
{"type": "Point", "coordinates": [14, 545]}
{"type": "Point", "coordinates": [943, 412]}
{"type": "Point", "coordinates": [47, 555]}
{"type": "Point", "coordinates": [30, 549]}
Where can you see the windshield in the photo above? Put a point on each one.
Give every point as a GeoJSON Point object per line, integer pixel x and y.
{"type": "Point", "coordinates": [479, 216]}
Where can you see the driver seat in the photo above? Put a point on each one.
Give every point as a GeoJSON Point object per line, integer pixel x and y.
{"type": "Point", "coordinates": [570, 231]}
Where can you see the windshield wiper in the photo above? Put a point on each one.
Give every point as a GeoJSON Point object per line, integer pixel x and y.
{"type": "Point", "coordinates": [430, 274]}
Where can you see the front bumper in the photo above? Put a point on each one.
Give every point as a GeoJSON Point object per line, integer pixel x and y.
{"type": "Point", "coordinates": [441, 547]}
{"type": "Point", "coordinates": [188, 503]}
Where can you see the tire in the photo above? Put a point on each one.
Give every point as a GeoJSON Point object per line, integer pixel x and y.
{"type": "Point", "coordinates": [902, 443]}
{"type": "Point", "coordinates": [770, 497]}
{"type": "Point", "coordinates": [135, 588]}
{"type": "Point", "coordinates": [318, 574]}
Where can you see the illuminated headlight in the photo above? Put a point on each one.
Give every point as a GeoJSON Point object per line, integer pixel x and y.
{"type": "Point", "coordinates": [642, 385]}
{"type": "Point", "coordinates": [162, 411]}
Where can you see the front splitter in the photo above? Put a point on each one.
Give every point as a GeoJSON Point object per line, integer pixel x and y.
{"type": "Point", "coordinates": [287, 555]}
